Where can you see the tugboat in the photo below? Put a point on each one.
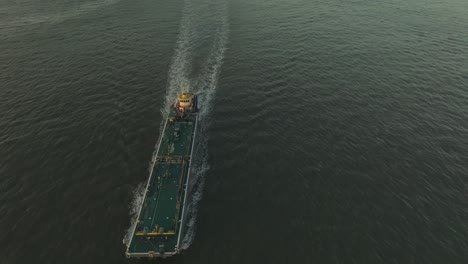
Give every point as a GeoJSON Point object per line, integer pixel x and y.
{"type": "Point", "coordinates": [158, 229]}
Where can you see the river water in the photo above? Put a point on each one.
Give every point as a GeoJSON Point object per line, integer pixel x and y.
{"type": "Point", "coordinates": [331, 131]}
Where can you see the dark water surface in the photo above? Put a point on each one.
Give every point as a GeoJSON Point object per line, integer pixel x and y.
{"type": "Point", "coordinates": [332, 131]}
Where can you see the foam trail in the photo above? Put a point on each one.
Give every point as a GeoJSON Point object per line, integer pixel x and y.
{"type": "Point", "coordinates": [204, 85]}
{"type": "Point", "coordinates": [177, 75]}
{"type": "Point", "coordinates": [138, 196]}
{"type": "Point", "coordinates": [206, 88]}
{"type": "Point", "coordinates": [179, 71]}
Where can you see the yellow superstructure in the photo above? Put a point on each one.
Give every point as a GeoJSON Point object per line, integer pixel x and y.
{"type": "Point", "coordinates": [184, 101]}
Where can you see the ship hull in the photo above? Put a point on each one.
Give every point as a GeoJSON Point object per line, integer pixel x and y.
{"type": "Point", "coordinates": [158, 230]}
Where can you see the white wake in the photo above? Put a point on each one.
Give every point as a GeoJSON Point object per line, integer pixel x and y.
{"type": "Point", "coordinates": [192, 31]}
{"type": "Point", "coordinates": [206, 88]}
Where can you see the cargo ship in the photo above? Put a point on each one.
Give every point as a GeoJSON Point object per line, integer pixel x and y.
{"type": "Point", "coordinates": [158, 228]}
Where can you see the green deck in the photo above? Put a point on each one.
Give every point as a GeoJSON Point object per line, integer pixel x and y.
{"type": "Point", "coordinates": [157, 232]}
